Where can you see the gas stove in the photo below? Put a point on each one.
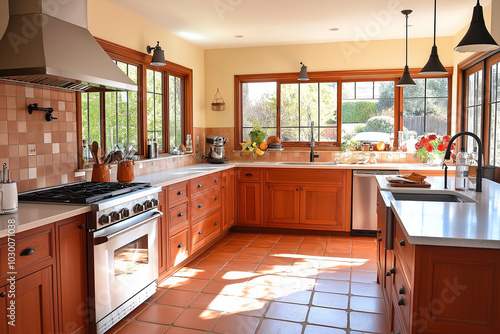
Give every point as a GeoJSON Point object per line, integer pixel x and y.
{"type": "Point", "coordinates": [81, 192]}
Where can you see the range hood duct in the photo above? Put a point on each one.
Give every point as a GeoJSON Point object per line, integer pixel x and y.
{"type": "Point", "coordinates": [47, 43]}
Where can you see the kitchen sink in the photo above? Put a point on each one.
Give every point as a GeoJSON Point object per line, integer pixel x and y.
{"type": "Point", "coordinates": [430, 197]}
{"type": "Point", "coordinates": [307, 163]}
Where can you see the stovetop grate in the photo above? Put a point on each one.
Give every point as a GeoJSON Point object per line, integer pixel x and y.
{"type": "Point", "coordinates": [81, 192]}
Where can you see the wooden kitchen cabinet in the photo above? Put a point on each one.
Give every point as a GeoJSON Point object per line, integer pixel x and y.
{"type": "Point", "coordinates": [309, 199]}
{"type": "Point", "coordinates": [249, 196]}
{"type": "Point", "coordinates": [437, 289]}
{"type": "Point", "coordinates": [163, 226]}
{"type": "Point", "coordinates": [34, 304]}
{"type": "Point", "coordinates": [71, 239]}
{"type": "Point", "coordinates": [228, 197]}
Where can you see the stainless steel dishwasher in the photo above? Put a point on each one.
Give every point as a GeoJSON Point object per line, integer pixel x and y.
{"type": "Point", "coordinates": [364, 200]}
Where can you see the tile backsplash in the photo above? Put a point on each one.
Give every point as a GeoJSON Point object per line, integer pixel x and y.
{"type": "Point", "coordinates": [38, 153]}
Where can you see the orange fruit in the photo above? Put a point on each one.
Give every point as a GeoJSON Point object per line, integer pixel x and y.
{"type": "Point", "coordinates": [263, 146]}
{"type": "Point", "coordinates": [273, 139]}
{"type": "Point", "coordinates": [380, 146]}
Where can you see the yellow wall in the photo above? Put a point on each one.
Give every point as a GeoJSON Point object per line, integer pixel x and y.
{"type": "Point", "coordinates": [221, 65]}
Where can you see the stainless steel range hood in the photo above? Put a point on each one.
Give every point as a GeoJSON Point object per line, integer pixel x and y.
{"type": "Point", "coordinates": [47, 43]}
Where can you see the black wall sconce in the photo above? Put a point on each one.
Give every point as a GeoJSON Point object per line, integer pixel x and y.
{"type": "Point", "coordinates": [48, 116]}
{"type": "Point", "coordinates": [158, 55]}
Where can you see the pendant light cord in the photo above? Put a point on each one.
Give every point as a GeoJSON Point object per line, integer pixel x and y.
{"type": "Point", "coordinates": [406, 39]}
{"type": "Point", "coordinates": [435, 22]}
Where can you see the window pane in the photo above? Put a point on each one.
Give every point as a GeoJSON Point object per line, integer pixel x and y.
{"type": "Point", "coordinates": [154, 96]}
{"type": "Point", "coordinates": [309, 106]}
{"type": "Point", "coordinates": [437, 87]}
{"type": "Point", "coordinates": [415, 91]}
{"type": "Point", "coordinates": [348, 91]}
{"type": "Point", "coordinates": [328, 111]}
{"type": "Point", "coordinates": [259, 107]}
{"type": "Point", "coordinates": [121, 114]}
{"type": "Point", "coordinates": [91, 117]}
{"type": "Point", "coordinates": [365, 118]}
{"type": "Point", "coordinates": [473, 104]}
{"type": "Point", "coordinates": [289, 134]}
{"type": "Point", "coordinates": [175, 110]}
{"type": "Point", "coordinates": [436, 116]}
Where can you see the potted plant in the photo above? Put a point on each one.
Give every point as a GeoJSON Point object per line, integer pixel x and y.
{"type": "Point", "coordinates": [432, 148]}
{"type": "Point", "coordinates": [257, 135]}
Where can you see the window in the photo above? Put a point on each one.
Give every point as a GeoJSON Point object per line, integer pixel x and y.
{"type": "Point", "coordinates": [121, 113]}
{"type": "Point", "coordinates": [161, 108]}
{"type": "Point", "coordinates": [425, 107]}
{"type": "Point", "coordinates": [359, 105]}
{"type": "Point", "coordinates": [154, 92]}
{"type": "Point", "coordinates": [176, 108]}
{"type": "Point", "coordinates": [473, 104]}
{"type": "Point", "coordinates": [368, 111]}
{"type": "Point", "coordinates": [494, 107]}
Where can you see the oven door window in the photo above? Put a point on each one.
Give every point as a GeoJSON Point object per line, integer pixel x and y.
{"type": "Point", "coordinates": [131, 258]}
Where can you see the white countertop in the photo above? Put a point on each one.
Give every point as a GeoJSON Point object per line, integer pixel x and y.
{"type": "Point", "coordinates": [31, 215]}
{"type": "Point", "coordinates": [475, 224]}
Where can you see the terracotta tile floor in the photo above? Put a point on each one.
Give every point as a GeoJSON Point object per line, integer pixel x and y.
{"type": "Point", "coordinates": [267, 283]}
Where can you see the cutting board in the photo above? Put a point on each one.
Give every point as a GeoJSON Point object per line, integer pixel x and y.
{"type": "Point", "coordinates": [411, 185]}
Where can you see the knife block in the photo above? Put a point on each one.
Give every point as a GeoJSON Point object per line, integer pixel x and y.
{"type": "Point", "coordinates": [125, 172]}
{"type": "Point", "coordinates": [101, 173]}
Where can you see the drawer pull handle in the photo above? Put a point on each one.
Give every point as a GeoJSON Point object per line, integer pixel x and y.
{"type": "Point", "coordinates": [398, 332]}
{"type": "Point", "coordinates": [180, 245]}
{"type": "Point", "coordinates": [379, 238]}
{"type": "Point", "coordinates": [3, 294]}
{"type": "Point", "coordinates": [401, 302]}
{"type": "Point", "coordinates": [81, 227]}
{"type": "Point", "coordinates": [248, 174]}
{"type": "Point", "coordinates": [391, 271]}
{"type": "Point", "coordinates": [200, 205]}
{"type": "Point", "coordinates": [200, 232]}
{"type": "Point", "coordinates": [216, 180]}
{"type": "Point", "coordinates": [402, 242]}
{"type": "Point", "coordinates": [379, 231]}
{"type": "Point", "coordinates": [402, 290]}
{"type": "Point", "coordinates": [223, 187]}
{"type": "Point", "coordinates": [216, 223]}
{"type": "Point", "coordinates": [180, 214]}
{"type": "Point", "coordinates": [200, 185]}
{"type": "Point", "coordinates": [179, 192]}
{"type": "Point", "coordinates": [28, 251]}
{"type": "Point", "coordinates": [216, 198]}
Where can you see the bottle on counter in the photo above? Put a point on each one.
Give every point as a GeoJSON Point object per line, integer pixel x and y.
{"type": "Point", "coordinates": [85, 154]}
{"type": "Point", "coordinates": [189, 144]}
{"type": "Point", "coordinates": [462, 170]}
{"type": "Point", "coordinates": [154, 145]}
{"type": "Point", "coordinates": [149, 150]}
{"type": "Point", "coordinates": [473, 164]}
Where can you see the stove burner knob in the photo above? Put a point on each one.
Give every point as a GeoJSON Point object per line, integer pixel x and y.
{"type": "Point", "coordinates": [155, 202]}
{"type": "Point", "coordinates": [115, 216]}
{"type": "Point", "coordinates": [125, 212]}
{"type": "Point", "coordinates": [104, 219]}
{"type": "Point", "coordinates": [148, 204]}
{"type": "Point", "coordinates": [138, 208]}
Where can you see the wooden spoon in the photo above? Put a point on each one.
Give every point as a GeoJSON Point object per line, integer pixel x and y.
{"type": "Point", "coordinates": [93, 150]}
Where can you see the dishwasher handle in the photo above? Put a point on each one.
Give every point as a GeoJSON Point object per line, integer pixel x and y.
{"type": "Point", "coordinates": [371, 173]}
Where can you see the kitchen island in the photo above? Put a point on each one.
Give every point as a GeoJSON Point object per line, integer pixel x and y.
{"type": "Point", "coordinates": [439, 262]}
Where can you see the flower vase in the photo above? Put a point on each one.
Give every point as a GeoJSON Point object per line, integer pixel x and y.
{"type": "Point", "coordinates": [435, 158]}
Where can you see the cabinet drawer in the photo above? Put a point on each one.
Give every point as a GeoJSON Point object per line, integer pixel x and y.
{"type": "Point", "coordinates": [300, 176]}
{"type": "Point", "coordinates": [205, 182]}
{"type": "Point", "coordinates": [179, 250]}
{"type": "Point", "coordinates": [406, 249]}
{"type": "Point", "coordinates": [205, 203]}
{"type": "Point", "coordinates": [29, 250]}
{"type": "Point", "coordinates": [249, 174]}
{"type": "Point", "coordinates": [205, 230]}
{"type": "Point", "coordinates": [178, 216]}
{"type": "Point", "coordinates": [177, 193]}
{"type": "Point", "coordinates": [402, 294]}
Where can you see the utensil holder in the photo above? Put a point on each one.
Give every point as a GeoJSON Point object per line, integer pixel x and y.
{"type": "Point", "coordinates": [101, 173]}
{"type": "Point", "coordinates": [125, 172]}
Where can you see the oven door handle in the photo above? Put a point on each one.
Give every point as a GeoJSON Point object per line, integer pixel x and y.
{"type": "Point", "coordinates": [105, 238]}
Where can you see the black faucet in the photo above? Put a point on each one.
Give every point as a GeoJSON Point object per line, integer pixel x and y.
{"type": "Point", "coordinates": [447, 155]}
{"type": "Point", "coordinates": [313, 154]}
{"type": "Point", "coordinates": [445, 166]}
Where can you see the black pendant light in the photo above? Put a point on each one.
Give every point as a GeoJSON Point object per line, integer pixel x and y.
{"type": "Point", "coordinates": [406, 80]}
{"type": "Point", "coordinates": [477, 38]}
{"type": "Point", "coordinates": [434, 66]}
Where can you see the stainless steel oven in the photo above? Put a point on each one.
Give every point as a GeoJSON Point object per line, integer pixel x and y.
{"type": "Point", "coordinates": [125, 265]}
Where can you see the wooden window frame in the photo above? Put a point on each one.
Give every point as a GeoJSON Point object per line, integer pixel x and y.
{"type": "Point", "coordinates": [142, 61]}
{"type": "Point", "coordinates": [481, 60]}
{"type": "Point", "coordinates": [338, 77]}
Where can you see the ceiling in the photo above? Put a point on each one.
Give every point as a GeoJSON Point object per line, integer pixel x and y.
{"type": "Point", "coordinates": [213, 24]}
